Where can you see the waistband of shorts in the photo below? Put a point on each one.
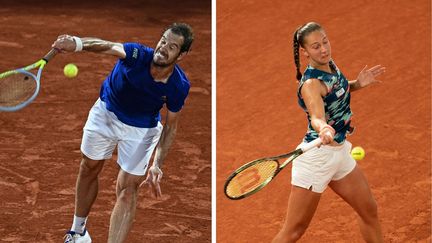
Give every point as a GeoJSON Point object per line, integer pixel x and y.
{"type": "Point", "coordinates": [330, 147]}
{"type": "Point", "coordinates": [335, 147]}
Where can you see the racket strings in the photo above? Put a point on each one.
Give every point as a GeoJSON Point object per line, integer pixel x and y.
{"type": "Point", "coordinates": [16, 89]}
{"type": "Point", "coordinates": [251, 178]}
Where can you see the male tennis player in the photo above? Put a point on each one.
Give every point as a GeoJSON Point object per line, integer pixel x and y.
{"type": "Point", "coordinates": [127, 115]}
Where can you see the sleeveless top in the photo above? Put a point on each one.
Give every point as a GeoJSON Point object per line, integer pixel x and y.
{"type": "Point", "coordinates": [336, 102]}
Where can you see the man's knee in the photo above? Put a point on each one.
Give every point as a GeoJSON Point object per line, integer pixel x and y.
{"type": "Point", "coordinates": [128, 194]}
{"type": "Point", "coordinates": [89, 167]}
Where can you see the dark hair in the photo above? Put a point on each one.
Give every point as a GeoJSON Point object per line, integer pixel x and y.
{"type": "Point", "coordinates": [184, 30]}
{"type": "Point", "coordinates": [299, 36]}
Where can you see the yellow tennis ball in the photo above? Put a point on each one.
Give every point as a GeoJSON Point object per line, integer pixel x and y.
{"type": "Point", "coordinates": [358, 153]}
{"type": "Point", "coordinates": [70, 70]}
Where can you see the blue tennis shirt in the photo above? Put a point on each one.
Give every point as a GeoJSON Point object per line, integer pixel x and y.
{"type": "Point", "coordinates": [132, 94]}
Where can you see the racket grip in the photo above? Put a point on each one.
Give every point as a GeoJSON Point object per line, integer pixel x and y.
{"type": "Point", "coordinates": [50, 54]}
{"type": "Point", "coordinates": [312, 144]}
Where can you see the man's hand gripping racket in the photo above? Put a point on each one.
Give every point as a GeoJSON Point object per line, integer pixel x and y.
{"type": "Point", "coordinates": [19, 87]}
{"type": "Point", "coordinates": [253, 176]}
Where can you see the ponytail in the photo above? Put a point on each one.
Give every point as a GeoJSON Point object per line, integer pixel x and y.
{"type": "Point", "coordinates": [298, 40]}
{"type": "Point", "coordinates": [296, 47]}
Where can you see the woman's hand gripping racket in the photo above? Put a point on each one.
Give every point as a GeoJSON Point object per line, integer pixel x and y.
{"type": "Point", "coordinates": [253, 176]}
{"type": "Point", "coordinates": [19, 87]}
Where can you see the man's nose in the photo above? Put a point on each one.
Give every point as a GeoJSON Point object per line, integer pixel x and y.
{"type": "Point", "coordinates": [164, 46]}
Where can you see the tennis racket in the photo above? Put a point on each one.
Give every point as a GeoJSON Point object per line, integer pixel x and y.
{"type": "Point", "coordinates": [253, 176]}
{"type": "Point", "coordinates": [19, 87]}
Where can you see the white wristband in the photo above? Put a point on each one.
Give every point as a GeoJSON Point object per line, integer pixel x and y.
{"type": "Point", "coordinates": [78, 43]}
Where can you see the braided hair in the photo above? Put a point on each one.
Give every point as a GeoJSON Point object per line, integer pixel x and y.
{"type": "Point", "coordinates": [298, 40]}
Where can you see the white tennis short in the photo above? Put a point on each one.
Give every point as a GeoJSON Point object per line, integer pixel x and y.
{"type": "Point", "coordinates": [315, 169]}
{"type": "Point", "coordinates": [103, 132]}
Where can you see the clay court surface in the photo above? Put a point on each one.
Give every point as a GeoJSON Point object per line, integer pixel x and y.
{"type": "Point", "coordinates": [258, 115]}
{"type": "Point", "coordinates": [40, 144]}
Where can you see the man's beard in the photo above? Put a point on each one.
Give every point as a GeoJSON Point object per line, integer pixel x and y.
{"type": "Point", "coordinates": [161, 65]}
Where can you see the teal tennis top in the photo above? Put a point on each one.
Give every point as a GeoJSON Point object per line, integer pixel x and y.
{"type": "Point", "coordinates": [336, 102]}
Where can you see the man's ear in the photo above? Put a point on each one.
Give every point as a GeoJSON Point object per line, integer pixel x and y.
{"type": "Point", "coordinates": [182, 55]}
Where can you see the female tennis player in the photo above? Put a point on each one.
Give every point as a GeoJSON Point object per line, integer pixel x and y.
{"type": "Point", "coordinates": [127, 116]}
{"type": "Point", "coordinates": [324, 94]}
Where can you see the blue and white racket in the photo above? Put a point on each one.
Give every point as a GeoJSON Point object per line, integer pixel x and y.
{"type": "Point", "coordinates": [19, 87]}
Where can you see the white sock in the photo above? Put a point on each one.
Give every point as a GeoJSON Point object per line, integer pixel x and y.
{"type": "Point", "coordinates": [78, 224]}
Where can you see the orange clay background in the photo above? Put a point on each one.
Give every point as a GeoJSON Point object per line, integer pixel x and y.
{"type": "Point", "coordinates": [258, 115]}
{"type": "Point", "coordinates": [40, 145]}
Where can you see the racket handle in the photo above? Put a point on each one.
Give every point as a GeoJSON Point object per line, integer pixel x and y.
{"type": "Point", "coordinates": [312, 144]}
{"type": "Point", "coordinates": [50, 54]}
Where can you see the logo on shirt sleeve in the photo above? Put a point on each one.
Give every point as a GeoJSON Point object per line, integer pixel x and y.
{"type": "Point", "coordinates": [135, 53]}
